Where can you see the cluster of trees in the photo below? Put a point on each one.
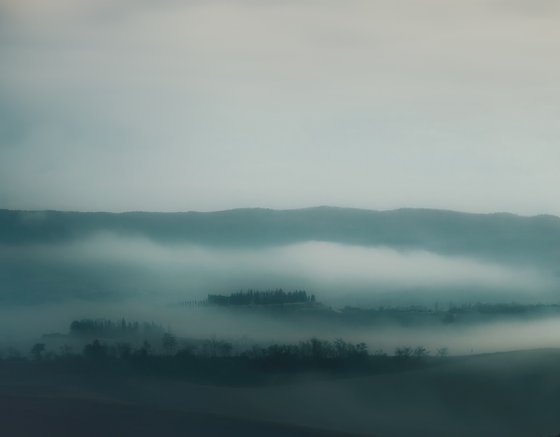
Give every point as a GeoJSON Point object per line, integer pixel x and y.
{"type": "Point", "coordinates": [312, 353]}
{"type": "Point", "coordinates": [102, 328]}
{"type": "Point", "coordinates": [498, 308]}
{"type": "Point", "coordinates": [103, 345]}
{"type": "Point", "coordinates": [219, 361]}
{"type": "Point", "coordinates": [467, 307]}
{"type": "Point", "coordinates": [168, 347]}
{"type": "Point", "coordinates": [419, 352]}
{"type": "Point", "coordinates": [451, 313]}
{"type": "Point", "coordinates": [256, 297]}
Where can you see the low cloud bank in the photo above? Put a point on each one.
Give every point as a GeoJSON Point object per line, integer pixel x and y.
{"type": "Point", "coordinates": [332, 270]}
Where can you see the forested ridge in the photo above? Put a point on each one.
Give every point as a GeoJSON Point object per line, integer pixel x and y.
{"type": "Point", "coordinates": [500, 236]}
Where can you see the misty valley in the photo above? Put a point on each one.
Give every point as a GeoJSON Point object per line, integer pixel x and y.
{"type": "Point", "coordinates": [266, 218]}
{"type": "Point", "coordinates": [322, 321]}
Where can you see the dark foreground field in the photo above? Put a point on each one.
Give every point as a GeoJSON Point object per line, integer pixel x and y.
{"type": "Point", "coordinates": [34, 415]}
{"type": "Point", "coordinates": [509, 394]}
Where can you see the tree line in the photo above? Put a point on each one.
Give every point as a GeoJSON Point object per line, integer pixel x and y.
{"type": "Point", "coordinates": [218, 361]}
{"type": "Point", "coordinates": [104, 328]}
{"type": "Point", "coordinates": [258, 297]}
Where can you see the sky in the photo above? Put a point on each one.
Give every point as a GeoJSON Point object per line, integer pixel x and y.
{"type": "Point", "coordinates": [206, 105]}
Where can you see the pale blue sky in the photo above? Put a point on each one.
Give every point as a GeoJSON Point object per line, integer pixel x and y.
{"type": "Point", "coordinates": [204, 105]}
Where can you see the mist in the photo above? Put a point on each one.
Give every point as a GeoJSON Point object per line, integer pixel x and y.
{"type": "Point", "coordinates": [21, 327]}
{"type": "Point", "coordinates": [111, 276]}
{"type": "Point", "coordinates": [240, 217]}
{"type": "Point", "coordinates": [138, 267]}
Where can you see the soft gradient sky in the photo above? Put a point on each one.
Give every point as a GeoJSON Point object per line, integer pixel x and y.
{"type": "Point", "coordinates": [204, 105]}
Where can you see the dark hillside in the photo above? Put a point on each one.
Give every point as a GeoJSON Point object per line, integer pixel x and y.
{"type": "Point", "coordinates": [504, 237]}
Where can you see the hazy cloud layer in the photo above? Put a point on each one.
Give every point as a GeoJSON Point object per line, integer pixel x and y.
{"type": "Point", "coordinates": [209, 105]}
{"type": "Point", "coordinates": [343, 274]}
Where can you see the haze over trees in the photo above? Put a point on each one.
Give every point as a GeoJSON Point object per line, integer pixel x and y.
{"type": "Point", "coordinates": [105, 346]}
{"type": "Point", "coordinates": [144, 265]}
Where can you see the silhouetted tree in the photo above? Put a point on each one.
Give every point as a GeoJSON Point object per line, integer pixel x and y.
{"type": "Point", "coordinates": [403, 352]}
{"type": "Point", "coordinates": [169, 343]}
{"type": "Point", "coordinates": [95, 351]}
{"type": "Point", "coordinates": [123, 350]}
{"type": "Point", "coordinates": [145, 349]}
{"type": "Point", "coordinates": [37, 351]}
{"type": "Point", "coordinates": [420, 352]}
{"type": "Point", "coordinates": [216, 348]}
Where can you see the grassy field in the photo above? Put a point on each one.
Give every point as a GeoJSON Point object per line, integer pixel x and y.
{"type": "Point", "coordinates": [507, 394]}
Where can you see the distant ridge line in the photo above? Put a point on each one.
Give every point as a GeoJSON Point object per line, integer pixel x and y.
{"type": "Point", "coordinates": [265, 209]}
{"type": "Point", "coordinates": [501, 237]}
